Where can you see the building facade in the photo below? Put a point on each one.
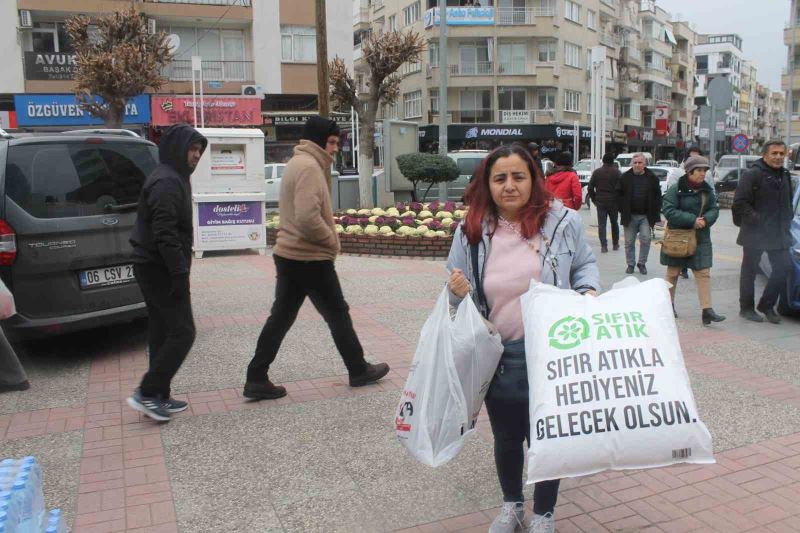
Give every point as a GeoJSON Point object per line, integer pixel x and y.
{"type": "Point", "coordinates": [263, 51]}
{"type": "Point", "coordinates": [747, 98]}
{"type": "Point", "coordinates": [790, 81]}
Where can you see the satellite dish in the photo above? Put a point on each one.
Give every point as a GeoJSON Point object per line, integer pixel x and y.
{"type": "Point", "coordinates": [173, 43]}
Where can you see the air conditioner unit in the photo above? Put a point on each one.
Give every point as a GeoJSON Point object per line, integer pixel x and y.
{"type": "Point", "coordinates": [253, 90]}
{"type": "Point", "coordinates": [151, 26]}
{"type": "Point", "coordinates": [25, 19]}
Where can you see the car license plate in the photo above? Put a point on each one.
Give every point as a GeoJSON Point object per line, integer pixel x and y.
{"type": "Point", "coordinates": [103, 277]}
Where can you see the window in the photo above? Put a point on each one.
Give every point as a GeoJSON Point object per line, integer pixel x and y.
{"type": "Point", "coordinates": [412, 13]}
{"type": "Point", "coordinates": [392, 112]}
{"type": "Point", "coordinates": [410, 68]}
{"type": "Point", "coordinates": [647, 120]}
{"type": "Point", "coordinates": [433, 94]}
{"type": "Point", "coordinates": [412, 104]}
{"type": "Point", "coordinates": [547, 51]}
{"type": "Point", "coordinates": [546, 99]}
{"type": "Point", "coordinates": [393, 23]}
{"type": "Point", "coordinates": [298, 44]}
{"type": "Point", "coordinates": [52, 37]}
{"type": "Point", "coordinates": [223, 54]}
{"type": "Point", "coordinates": [476, 105]}
{"type": "Point", "coordinates": [433, 53]}
{"type": "Point", "coordinates": [72, 180]}
{"type": "Point", "coordinates": [572, 11]}
{"type": "Point", "coordinates": [474, 58]}
{"type": "Point", "coordinates": [572, 101]}
{"type": "Point", "coordinates": [511, 98]}
{"type": "Point", "coordinates": [572, 55]}
{"type": "Point", "coordinates": [591, 20]}
{"type": "Point", "coordinates": [632, 111]}
{"type": "Point", "coordinates": [702, 62]}
{"type": "Point", "coordinates": [513, 58]}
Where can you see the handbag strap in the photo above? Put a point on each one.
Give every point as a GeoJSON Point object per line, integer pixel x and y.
{"type": "Point", "coordinates": [704, 199]}
{"type": "Point", "coordinates": [483, 304]}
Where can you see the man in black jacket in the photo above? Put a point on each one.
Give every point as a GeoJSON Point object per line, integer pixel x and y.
{"type": "Point", "coordinates": [602, 190]}
{"type": "Point", "coordinates": [639, 202]}
{"type": "Point", "coordinates": [162, 252]}
{"type": "Point", "coordinates": [762, 207]}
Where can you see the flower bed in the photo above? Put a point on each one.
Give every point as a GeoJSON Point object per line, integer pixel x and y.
{"type": "Point", "coordinates": [406, 229]}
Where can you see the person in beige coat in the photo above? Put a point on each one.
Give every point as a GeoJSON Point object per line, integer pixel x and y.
{"type": "Point", "coordinates": [305, 250]}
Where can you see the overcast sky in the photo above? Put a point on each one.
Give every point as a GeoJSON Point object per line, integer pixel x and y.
{"type": "Point", "coordinates": [759, 23]}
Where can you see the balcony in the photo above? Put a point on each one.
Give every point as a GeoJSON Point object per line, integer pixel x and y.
{"type": "Point", "coordinates": [361, 18]}
{"type": "Point", "coordinates": [212, 71]}
{"type": "Point", "coordinates": [461, 16]}
{"type": "Point", "coordinates": [683, 57]}
{"type": "Point", "coordinates": [516, 68]}
{"type": "Point", "coordinates": [609, 39]}
{"type": "Point", "coordinates": [655, 70]}
{"type": "Point", "coordinates": [610, 5]}
{"type": "Point", "coordinates": [471, 116]}
{"type": "Point", "coordinates": [480, 68]}
{"type": "Point", "coordinates": [521, 16]}
{"type": "Point", "coordinates": [240, 3]}
{"type": "Point", "coordinates": [357, 52]}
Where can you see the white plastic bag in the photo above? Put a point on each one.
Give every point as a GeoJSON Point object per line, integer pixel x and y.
{"type": "Point", "coordinates": [608, 385]}
{"type": "Point", "coordinates": [7, 307]}
{"type": "Point", "coordinates": [452, 368]}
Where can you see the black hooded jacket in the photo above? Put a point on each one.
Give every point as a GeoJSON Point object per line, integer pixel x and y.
{"type": "Point", "coordinates": [163, 234]}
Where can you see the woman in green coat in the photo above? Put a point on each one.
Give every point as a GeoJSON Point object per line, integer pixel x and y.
{"type": "Point", "coordinates": [682, 208]}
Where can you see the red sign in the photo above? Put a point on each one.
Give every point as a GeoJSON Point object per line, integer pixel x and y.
{"type": "Point", "coordinates": [8, 120]}
{"type": "Point", "coordinates": [219, 110]}
{"type": "Point", "coordinates": [662, 121]}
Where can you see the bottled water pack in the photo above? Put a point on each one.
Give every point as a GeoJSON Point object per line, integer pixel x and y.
{"type": "Point", "coordinates": [21, 498]}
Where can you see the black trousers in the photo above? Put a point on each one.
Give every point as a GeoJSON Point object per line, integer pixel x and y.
{"type": "Point", "coordinates": [318, 281]}
{"type": "Point", "coordinates": [510, 420]}
{"type": "Point", "coordinates": [779, 259]}
{"type": "Point", "coordinates": [171, 329]}
{"type": "Point", "coordinates": [604, 214]}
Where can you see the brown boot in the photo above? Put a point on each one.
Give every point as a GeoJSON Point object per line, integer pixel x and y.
{"type": "Point", "coordinates": [263, 391]}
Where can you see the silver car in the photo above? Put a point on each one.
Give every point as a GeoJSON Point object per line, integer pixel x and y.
{"type": "Point", "coordinates": [467, 161]}
{"type": "Point", "coordinates": [273, 172]}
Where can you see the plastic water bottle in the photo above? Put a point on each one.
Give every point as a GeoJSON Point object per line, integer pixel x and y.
{"type": "Point", "coordinates": [34, 471]}
{"type": "Point", "coordinates": [55, 524]}
{"type": "Point", "coordinates": [22, 494]}
{"type": "Point", "coordinates": [5, 527]}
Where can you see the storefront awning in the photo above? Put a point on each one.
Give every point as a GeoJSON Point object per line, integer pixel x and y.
{"type": "Point", "coordinates": [670, 36]}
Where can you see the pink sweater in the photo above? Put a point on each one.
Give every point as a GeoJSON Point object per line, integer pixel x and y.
{"type": "Point", "coordinates": [510, 267]}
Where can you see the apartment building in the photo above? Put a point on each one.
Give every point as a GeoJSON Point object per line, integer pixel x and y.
{"type": "Point", "coordinates": [258, 63]}
{"type": "Point", "coordinates": [682, 68]}
{"type": "Point", "coordinates": [747, 97]}
{"type": "Point", "coordinates": [776, 121]}
{"type": "Point", "coordinates": [720, 55]}
{"type": "Point", "coordinates": [518, 70]}
{"type": "Point", "coordinates": [790, 81]}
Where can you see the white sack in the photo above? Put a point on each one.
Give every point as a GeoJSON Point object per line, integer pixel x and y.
{"type": "Point", "coordinates": [608, 385]}
{"type": "Point", "coordinates": [448, 379]}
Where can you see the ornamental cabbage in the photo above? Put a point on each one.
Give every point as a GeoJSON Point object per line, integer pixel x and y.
{"type": "Point", "coordinates": [339, 228]}
{"type": "Point", "coordinates": [351, 212]}
{"type": "Point", "coordinates": [354, 229]}
{"type": "Point", "coordinates": [444, 214]}
{"type": "Point", "coordinates": [378, 212]}
{"type": "Point", "coordinates": [425, 214]}
{"type": "Point", "coordinates": [364, 212]}
{"type": "Point", "coordinates": [447, 221]}
{"type": "Point", "coordinates": [441, 234]}
{"type": "Point", "coordinates": [371, 230]}
{"type": "Point", "coordinates": [422, 230]}
{"type": "Point", "coordinates": [385, 230]}
{"type": "Point", "coordinates": [393, 212]}
{"type": "Point", "coordinates": [429, 234]}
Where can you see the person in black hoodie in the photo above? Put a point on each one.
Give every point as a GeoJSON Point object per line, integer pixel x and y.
{"type": "Point", "coordinates": [602, 190]}
{"type": "Point", "coordinates": [762, 207]}
{"type": "Point", "coordinates": [639, 203]}
{"type": "Point", "coordinates": [162, 253]}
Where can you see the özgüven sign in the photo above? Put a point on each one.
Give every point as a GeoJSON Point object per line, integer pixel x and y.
{"type": "Point", "coordinates": [218, 110]}
{"type": "Point", "coordinates": [230, 223]}
{"type": "Point", "coordinates": [63, 110]}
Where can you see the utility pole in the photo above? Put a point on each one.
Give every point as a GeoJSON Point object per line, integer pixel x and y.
{"type": "Point", "coordinates": [443, 72]}
{"type": "Point", "coordinates": [323, 84]}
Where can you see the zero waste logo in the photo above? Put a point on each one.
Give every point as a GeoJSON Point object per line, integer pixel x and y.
{"type": "Point", "coordinates": [568, 333]}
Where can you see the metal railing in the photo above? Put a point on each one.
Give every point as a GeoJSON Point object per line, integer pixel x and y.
{"type": "Point", "coordinates": [181, 70]}
{"type": "Point", "coordinates": [609, 39]}
{"type": "Point", "coordinates": [515, 68]}
{"type": "Point", "coordinates": [683, 56]}
{"type": "Point", "coordinates": [513, 16]}
{"type": "Point", "coordinates": [660, 71]}
{"type": "Point", "coordinates": [480, 68]}
{"type": "Point", "coordinates": [526, 116]}
{"type": "Point", "coordinates": [241, 3]}
{"type": "Point", "coordinates": [471, 116]}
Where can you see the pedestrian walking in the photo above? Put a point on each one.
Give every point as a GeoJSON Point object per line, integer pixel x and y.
{"type": "Point", "coordinates": [673, 179]}
{"type": "Point", "coordinates": [639, 202]}
{"type": "Point", "coordinates": [602, 190]}
{"type": "Point", "coordinates": [691, 204]}
{"type": "Point", "coordinates": [162, 253]}
{"type": "Point", "coordinates": [762, 208]}
{"type": "Point", "coordinates": [306, 247]}
{"type": "Point", "coordinates": [562, 182]}
{"type": "Point", "coordinates": [512, 234]}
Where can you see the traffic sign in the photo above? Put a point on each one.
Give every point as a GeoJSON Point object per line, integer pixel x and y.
{"type": "Point", "coordinates": [740, 143]}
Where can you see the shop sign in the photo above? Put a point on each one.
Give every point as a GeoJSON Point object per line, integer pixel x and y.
{"type": "Point", "coordinates": [515, 117]}
{"type": "Point", "coordinates": [8, 120]}
{"type": "Point", "coordinates": [218, 110]}
{"type": "Point", "coordinates": [64, 110]}
{"type": "Point", "coordinates": [239, 224]}
{"type": "Point", "coordinates": [278, 120]}
{"type": "Point", "coordinates": [461, 16]}
{"type": "Point", "coordinates": [50, 66]}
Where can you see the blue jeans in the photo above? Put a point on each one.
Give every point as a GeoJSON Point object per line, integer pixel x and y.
{"type": "Point", "coordinates": [507, 404]}
{"type": "Point", "coordinates": [641, 226]}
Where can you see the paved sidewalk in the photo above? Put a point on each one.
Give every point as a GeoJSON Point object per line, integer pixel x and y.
{"type": "Point", "coordinates": [325, 457]}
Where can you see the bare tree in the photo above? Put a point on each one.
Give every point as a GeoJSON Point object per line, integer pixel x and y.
{"type": "Point", "coordinates": [383, 55]}
{"type": "Point", "coordinates": [117, 62]}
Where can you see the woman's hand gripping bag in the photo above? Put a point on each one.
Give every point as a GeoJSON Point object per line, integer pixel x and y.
{"type": "Point", "coordinates": [608, 385]}
{"type": "Point", "coordinates": [451, 371]}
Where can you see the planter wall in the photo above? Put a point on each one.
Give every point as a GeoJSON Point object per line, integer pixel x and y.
{"type": "Point", "coordinates": [387, 245]}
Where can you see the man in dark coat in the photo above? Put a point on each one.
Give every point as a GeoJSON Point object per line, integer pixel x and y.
{"type": "Point", "coordinates": [762, 207]}
{"type": "Point", "coordinates": [639, 202]}
{"type": "Point", "coordinates": [162, 252]}
{"type": "Point", "coordinates": [602, 190]}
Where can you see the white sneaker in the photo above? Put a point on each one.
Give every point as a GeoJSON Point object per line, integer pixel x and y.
{"type": "Point", "coordinates": [509, 519]}
{"type": "Point", "coordinates": [543, 523]}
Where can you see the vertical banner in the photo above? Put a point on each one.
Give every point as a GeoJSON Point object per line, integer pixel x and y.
{"type": "Point", "coordinates": [662, 120]}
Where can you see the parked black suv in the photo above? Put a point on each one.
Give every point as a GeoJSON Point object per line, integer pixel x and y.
{"type": "Point", "coordinates": [67, 210]}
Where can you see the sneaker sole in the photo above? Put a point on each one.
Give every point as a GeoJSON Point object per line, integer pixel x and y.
{"type": "Point", "coordinates": [147, 412]}
{"type": "Point", "coordinates": [177, 409]}
{"type": "Point", "coordinates": [262, 396]}
{"type": "Point", "coordinates": [377, 377]}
